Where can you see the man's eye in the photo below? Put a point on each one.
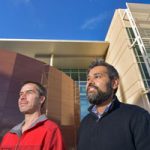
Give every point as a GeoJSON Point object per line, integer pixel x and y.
{"type": "Point", "coordinates": [29, 92]}
{"type": "Point", "coordinates": [98, 76]}
{"type": "Point", "coordinates": [88, 79]}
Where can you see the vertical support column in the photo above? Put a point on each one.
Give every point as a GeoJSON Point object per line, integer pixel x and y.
{"type": "Point", "coordinates": [51, 60]}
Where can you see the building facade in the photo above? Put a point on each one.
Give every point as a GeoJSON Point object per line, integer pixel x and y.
{"type": "Point", "coordinates": [129, 52]}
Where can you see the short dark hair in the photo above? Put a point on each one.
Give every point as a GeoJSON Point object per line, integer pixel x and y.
{"type": "Point", "coordinates": [40, 88]}
{"type": "Point", "coordinates": [112, 72]}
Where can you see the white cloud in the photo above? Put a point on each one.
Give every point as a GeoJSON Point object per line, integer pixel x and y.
{"type": "Point", "coordinates": [92, 23]}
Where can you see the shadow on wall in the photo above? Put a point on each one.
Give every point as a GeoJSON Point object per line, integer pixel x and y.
{"type": "Point", "coordinates": [9, 113]}
{"type": "Point", "coordinates": [62, 103]}
{"type": "Point", "coordinates": [122, 94]}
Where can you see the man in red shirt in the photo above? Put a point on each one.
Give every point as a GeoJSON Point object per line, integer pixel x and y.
{"type": "Point", "coordinates": [36, 132]}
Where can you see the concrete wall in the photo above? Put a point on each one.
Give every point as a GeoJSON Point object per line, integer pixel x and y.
{"type": "Point", "coordinates": [121, 55]}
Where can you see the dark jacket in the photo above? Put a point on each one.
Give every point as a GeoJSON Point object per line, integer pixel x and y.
{"type": "Point", "coordinates": [123, 127]}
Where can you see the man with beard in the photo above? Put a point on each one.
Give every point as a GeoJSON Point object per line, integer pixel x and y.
{"type": "Point", "coordinates": [110, 124]}
{"type": "Point", "coordinates": [36, 132]}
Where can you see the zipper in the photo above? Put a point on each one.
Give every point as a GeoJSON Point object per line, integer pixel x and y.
{"type": "Point", "coordinates": [20, 136]}
{"type": "Point", "coordinates": [17, 145]}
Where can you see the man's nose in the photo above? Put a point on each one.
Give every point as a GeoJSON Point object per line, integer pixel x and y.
{"type": "Point", "coordinates": [22, 96]}
{"type": "Point", "coordinates": [90, 81]}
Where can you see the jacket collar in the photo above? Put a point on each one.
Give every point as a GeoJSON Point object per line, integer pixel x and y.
{"type": "Point", "coordinates": [114, 105]}
{"type": "Point", "coordinates": [17, 128]}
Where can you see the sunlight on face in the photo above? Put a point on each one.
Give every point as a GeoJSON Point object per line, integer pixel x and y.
{"type": "Point", "coordinates": [99, 86]}
{"type": "Point", "coordinates": [29, 100]}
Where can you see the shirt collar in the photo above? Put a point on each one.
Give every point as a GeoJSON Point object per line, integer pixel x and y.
{"type": "Point", "coordinates": [99, 115]}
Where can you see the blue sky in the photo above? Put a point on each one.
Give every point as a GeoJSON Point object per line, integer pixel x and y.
{"type": "Point", "coordinates": [58, 19]}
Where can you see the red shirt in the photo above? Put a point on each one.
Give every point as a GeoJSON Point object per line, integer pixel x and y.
{"type": "Point", "coordinates": [42, 135]}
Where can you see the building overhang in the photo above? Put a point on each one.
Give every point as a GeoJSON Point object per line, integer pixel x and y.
{"type": "Point", "coordinates": [59, 53]}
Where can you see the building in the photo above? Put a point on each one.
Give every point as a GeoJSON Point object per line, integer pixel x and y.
{"type": "Point", "coordinates": [127, 47]}
{"type": "Point", "coordinates": [129, 52]}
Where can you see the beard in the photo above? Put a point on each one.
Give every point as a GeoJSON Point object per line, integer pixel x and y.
{"type": "Point", "coordinates": [98, 97]}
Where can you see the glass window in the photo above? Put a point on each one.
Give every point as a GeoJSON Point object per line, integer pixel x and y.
{"type": "Point", "coordinates": [83, 76]}
{"type": "Point", "coordinates": [140, 59]}
{"type": "Point", "coordinates": [74, 76]}
{"type": "Point", "coordinates": [79, 75]}
{"type": "Point", "coordinates": [82, 89]}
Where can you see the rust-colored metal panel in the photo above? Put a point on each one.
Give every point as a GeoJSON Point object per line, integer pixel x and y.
{"type": "Point", "coordinates": [63, 105]}
{"type": "Point", "coordinates": [69, 134]}
{"type": "Point", "coordinates": [68, 99]}
{"type": "Point", "coordinates": [7, 61]}
{"type": "Point", "coordinates": [53, 104]}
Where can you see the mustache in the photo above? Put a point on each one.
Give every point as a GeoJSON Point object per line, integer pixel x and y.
{"type": "Point", "coordinates": [93, 86]}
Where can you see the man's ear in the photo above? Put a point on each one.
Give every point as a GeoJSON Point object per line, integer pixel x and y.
{"type": "Point", "coordinates": [42, 99]}
{"type": "Point", "coordinates": [115, 83]}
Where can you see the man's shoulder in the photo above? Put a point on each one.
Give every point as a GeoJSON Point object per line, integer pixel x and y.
{"type": "Point", "coordinates": [132, 107]}
{"type": "Point", "coordinates": [50, 125]}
